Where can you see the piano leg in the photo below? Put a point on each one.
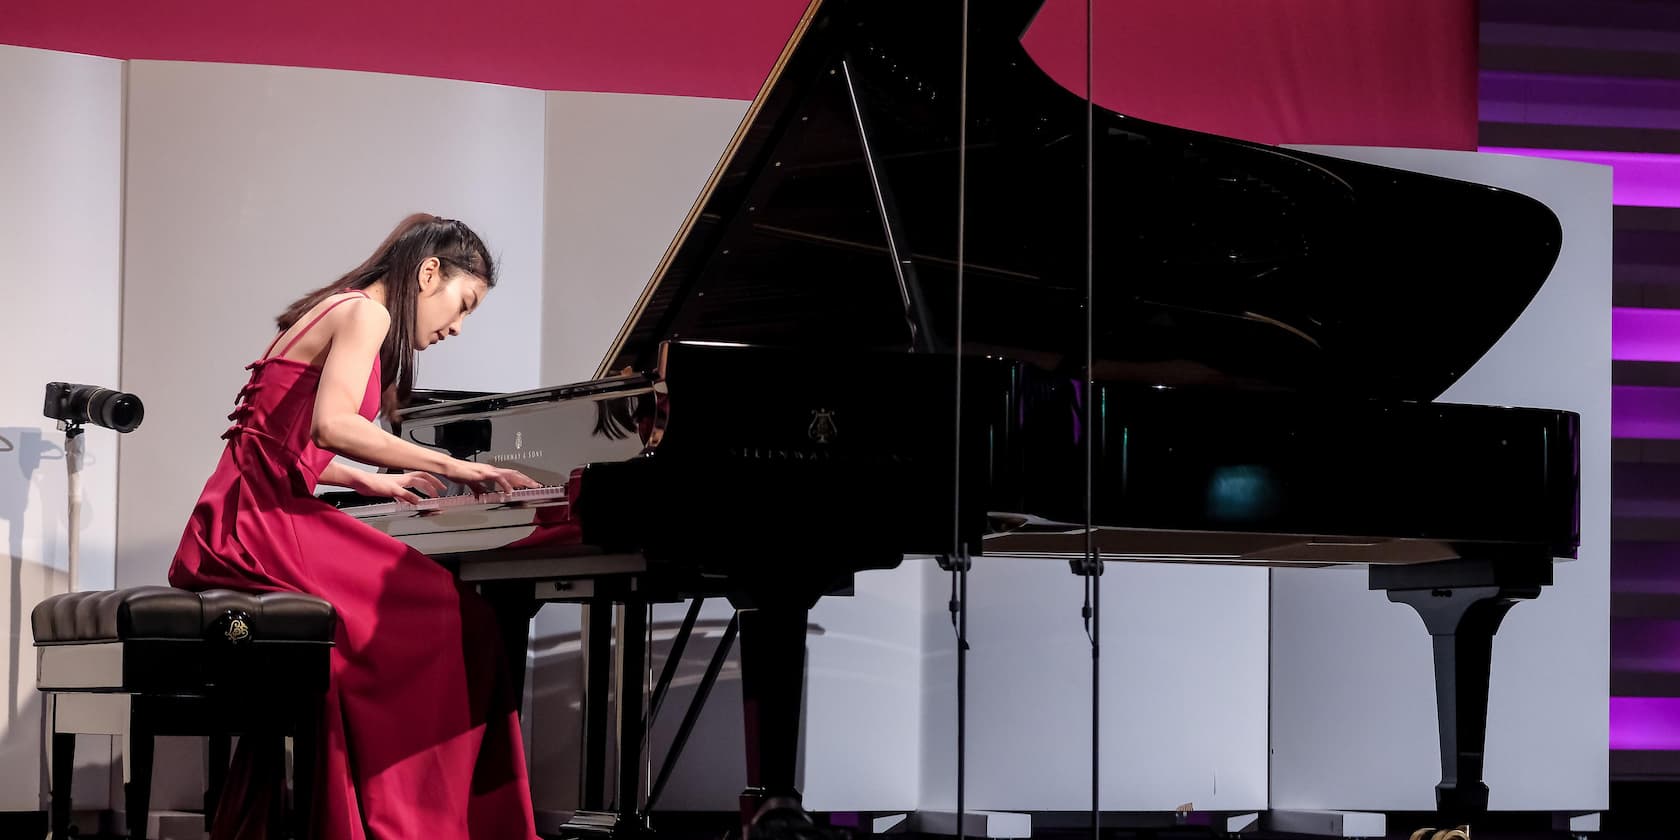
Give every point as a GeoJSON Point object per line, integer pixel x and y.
{"type": "Point", "coordinates": [772, 688]}
{"type": "Point", "coordinates": [1462, 604]}
{"type": "Point", "coordinates": [597, 669]}
{"type": "Point", "coordinates": [631, 645]}
{"type": "Point", "coordinates": [515, 604]}
{"type": "Point", "coordinates": [615, 662]}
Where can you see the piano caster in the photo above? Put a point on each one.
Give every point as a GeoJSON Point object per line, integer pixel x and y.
{"type": "Point", "coordinates": [1460, 833]}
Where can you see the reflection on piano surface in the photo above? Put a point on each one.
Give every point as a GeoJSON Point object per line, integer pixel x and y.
{"type": "Point", "coordinates": [1267, 329]}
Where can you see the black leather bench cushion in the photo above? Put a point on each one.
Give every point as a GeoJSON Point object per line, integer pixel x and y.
{"type": "Point", "coordinates": [162, 612]}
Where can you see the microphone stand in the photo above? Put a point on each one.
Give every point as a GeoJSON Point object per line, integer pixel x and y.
{"type": "Point", "coordinates": [73, 451]}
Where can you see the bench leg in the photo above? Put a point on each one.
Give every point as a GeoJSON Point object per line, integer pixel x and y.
{"type": "Point", "coordinates": [221, 747]}
{"type": "Point", "coordinates": [137, 791]}
{"type": "Point", "coordinates": [63, 770]}
{"type": "Point", "coordinates": [303, 775]}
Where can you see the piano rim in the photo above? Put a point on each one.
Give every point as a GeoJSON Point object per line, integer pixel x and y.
{"type": "Point", "coordinates": [1066, 541]}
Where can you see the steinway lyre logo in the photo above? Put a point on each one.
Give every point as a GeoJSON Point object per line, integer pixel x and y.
{"type": "Point", "coordinates": [822, 428]}
{"type": "Point", "coordinates": [519, 453]}
{"type": "Point", "coordinates": [236, 626]}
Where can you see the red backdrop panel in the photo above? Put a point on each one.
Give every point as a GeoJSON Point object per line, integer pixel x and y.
{"type": "Point", "coordinates": [1307, 71]}
{"type": "Point", "coordinates": [1359, 72]}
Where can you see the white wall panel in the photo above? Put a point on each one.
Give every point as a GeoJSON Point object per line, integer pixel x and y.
{"type": "Point", "coordinates": [1183, 688]}
{"type": "Point", "coordinates": [61, 232]}
{"type": "Point", "coordinates": [1353, 707]}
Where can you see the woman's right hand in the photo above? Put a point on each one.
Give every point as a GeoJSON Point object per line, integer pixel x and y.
{"type": "Point", "coordinates": [488, 478]}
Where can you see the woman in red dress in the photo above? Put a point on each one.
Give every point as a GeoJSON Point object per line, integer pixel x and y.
{"type": "Point", "coordinates": [420, 737]}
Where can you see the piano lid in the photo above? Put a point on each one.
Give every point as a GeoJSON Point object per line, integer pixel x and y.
{"type": "Point", "coordinates": [831, 220]}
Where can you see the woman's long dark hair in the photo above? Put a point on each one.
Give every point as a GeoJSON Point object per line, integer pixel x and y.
{"type": "Point", "coordinates": [397, 261]}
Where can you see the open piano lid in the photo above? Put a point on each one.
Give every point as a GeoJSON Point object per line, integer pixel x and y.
{"type": "Point", "coordinates": [831, 221]}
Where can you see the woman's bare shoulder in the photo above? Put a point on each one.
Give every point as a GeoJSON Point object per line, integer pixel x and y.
{"type": "Point", "coordinates": [343, 314]}
{"type": "Point", "coordinates": [358, 308]}
{"type": "Point", "coordinates": [350, 311]}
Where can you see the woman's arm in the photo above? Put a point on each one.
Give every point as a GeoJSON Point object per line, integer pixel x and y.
{"type": "Point", "coordinates": [337, 426]}
{"type": "Point", "coordinates": [401, 486]}
{"type": "Point", "coordinates": [339, 475]}
{"type": "Point", "coordinates": [357, 331]}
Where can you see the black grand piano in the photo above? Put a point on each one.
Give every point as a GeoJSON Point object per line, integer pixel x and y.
{"type": "Point", "coordinates": [884, 330]}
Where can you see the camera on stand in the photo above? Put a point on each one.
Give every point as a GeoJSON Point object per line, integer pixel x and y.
{"type": "Point", "coordinates": [73, 405]}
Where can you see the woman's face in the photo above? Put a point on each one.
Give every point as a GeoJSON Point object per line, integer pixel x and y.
{"type": "Point", "coordinates": [445, 300]}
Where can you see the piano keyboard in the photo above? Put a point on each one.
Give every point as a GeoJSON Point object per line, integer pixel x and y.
{"type": "Point", "coordinates": [534, 495]}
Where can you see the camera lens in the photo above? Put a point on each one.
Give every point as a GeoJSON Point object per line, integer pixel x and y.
{"type": "Point", "coordinates": [115, 410]}
{"type": "Point", "coordinates": [73, 404]}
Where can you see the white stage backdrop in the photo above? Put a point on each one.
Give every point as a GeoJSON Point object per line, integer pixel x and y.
{"type": "Point", "coordinates": [61, 232]}
{"type": "Point", "coordinates": [1353, 708]}
{"type": "Point", "coordinates": [1183, 689]}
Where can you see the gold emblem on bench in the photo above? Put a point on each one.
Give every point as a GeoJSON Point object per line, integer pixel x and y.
{"type": "Point", "coordinates": [1460, 833]}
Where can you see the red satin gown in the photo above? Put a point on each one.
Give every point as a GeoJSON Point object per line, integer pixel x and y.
{"type": "Point", "coordinates": [420, 737]}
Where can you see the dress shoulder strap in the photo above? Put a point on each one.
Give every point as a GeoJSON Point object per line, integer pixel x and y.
{"type": "Point", "coordinates": [269, 353]}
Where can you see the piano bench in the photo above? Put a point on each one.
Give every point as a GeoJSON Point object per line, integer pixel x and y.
{"type": "Point", "coordinates": [155, 660]}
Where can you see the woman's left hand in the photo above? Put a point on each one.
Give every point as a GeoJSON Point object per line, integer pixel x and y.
{"type": "Point", "coordinates": [401, 486]}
